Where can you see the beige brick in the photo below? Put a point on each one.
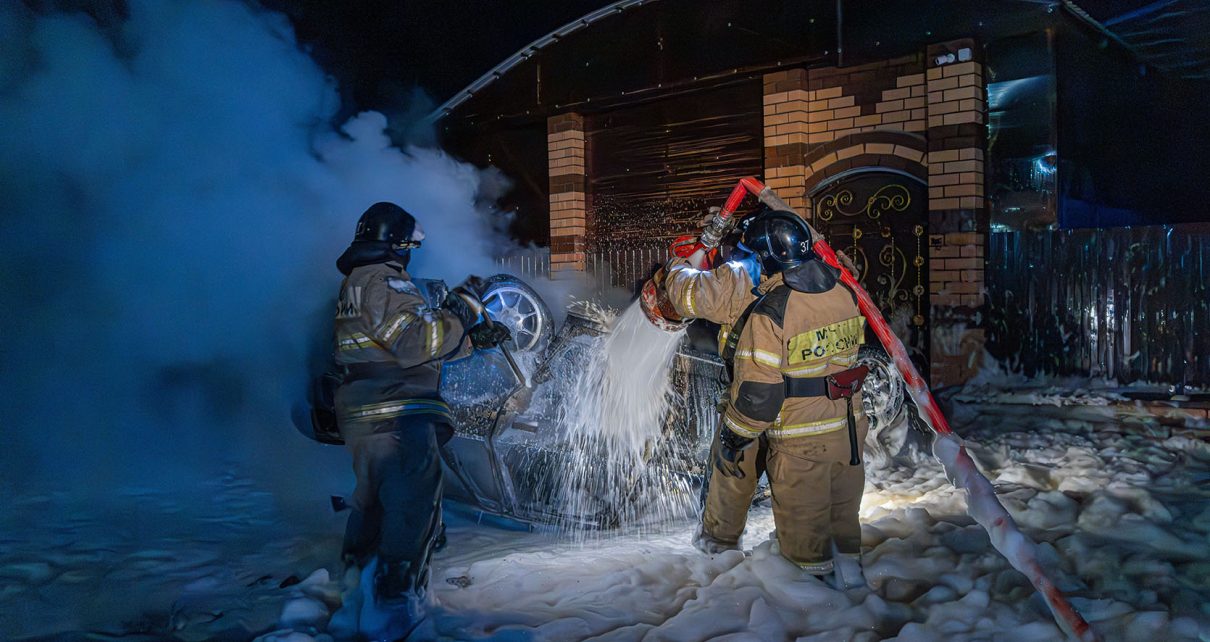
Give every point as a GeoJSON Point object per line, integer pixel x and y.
{"type": "Point", "coordinates": [941, 180]}
{"type": "Point", "coordinates": [820, 164]}
{"type": "Point", "coordinates": [970, 81]}
{"type": "Point", "coordinates": [791, 107]}
{"type": "Point", "coordinates": [828, 92]}
{"type": "Point", "coordinates": [972, 276]}
{"type": "Point", "coordinates": [944, 300]}
{"type": "Point", "coordinates": [972, 300]}
{"type": "Point", "coordinates": [933, 74]}
{"type": "Point", "coordinates": [960, 287]}
{"type": "Point", "coordinates": [842, 123]}
{"type": "Point", "coordinates": [963, 264]}
{"type": "Point", "coordinates": [941, 109]}
{"type": "Point", "coordinates": [894, 105]}
{"type": "Point", "coordinates": [914, 103]}
{"type": "Point", "coordinates": [970, 67]}
{"type": "Point", "coordinates": [843, 101]}
{"type": "Point", "coordinates": [571, 136]}
{"type": "Point", "coordinates": [916, 124]}
{"type": "Point", "coordinates": [944, 156]}
{"type": "Point", "coordinates": [943, 252]}
{"type": "Point", "coordinates": [868, 121]}
{"type": "Point", "coordinates": [779, 97]}
{"type": "Point", "coordinates": [820, 116]}
{"type": "Point", "coordinates": [820, 138]}
{"type": "Point", "coordinates": [964, 190]}
{"type": "Point", "coordinates": [970, 153]}
{"type": "Point", "coordinates": [896, 116]}
{"type": "Point", "coordinates": [972, 251]}
{"type": "Point", "coordinates": [972, 202]}
{"type": "Point", "coordinates": [770, 109]}
{"type": "Point", "coordinates": [943, 85]}
{"type": "Point", "coordinates": [849, 152]}
{"type": "Point", "coordinates": [919, 91]}
{"type": "Point", "coordinates": [944, 275]}
{"type": "Point", "coordinates": [847, 112]}
{"type": "Point", "coordinates": [913, 79]}
{"type": "Point", "coordinates": [913, 155]}
{"type": "Point", "coordinates": [963, 117]}
{"type": "Point", "coordinates": [776, 119]}
{"type": "Point", "coordinates": [971, 104]}
{"type": "Point", "coordinates": [936, 192]}
{"type": "Point", "coordinates": [963, 238]}
{"type": "Point", "coordinates": [936, 121]}
{"type": "Point", "coordinates": [955, 167]}
{"type": "Point", "coordinates": [897, 94]}
{"type": "Point", "coordinates": [944, 204]}
{"type": "Point", "coordinates": [963, 93]}
{"type": "Point", "coordinates": [880, 148]}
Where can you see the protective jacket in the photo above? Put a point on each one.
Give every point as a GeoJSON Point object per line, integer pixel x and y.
{"type": "Point", "coordinates": [391, 345]}
{"type": "Point", "coordinates": [801, 326]}
{"type": "Point", "coordinates": [790, 342]}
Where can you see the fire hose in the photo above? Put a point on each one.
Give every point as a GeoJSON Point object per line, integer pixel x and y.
{"type": "Point", "coordinates": [982, 503]}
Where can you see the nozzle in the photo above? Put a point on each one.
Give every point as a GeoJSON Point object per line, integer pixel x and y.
{"type": "Point", "coordinates": [658, 309]}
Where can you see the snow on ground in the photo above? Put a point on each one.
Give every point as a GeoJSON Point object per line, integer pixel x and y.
{"type": "Point", "coordinates": [1121, 509]}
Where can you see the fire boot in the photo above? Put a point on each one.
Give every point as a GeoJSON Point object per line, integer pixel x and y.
{"type": "Point", "coordinates": [396, 582]}
{"type": "Point", "coordinates": [847, 570]}
{"type": "Point", "coordinates": [703, 542]}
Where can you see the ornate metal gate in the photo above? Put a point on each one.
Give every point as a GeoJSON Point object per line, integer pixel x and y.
{"type": "Point", "coordinates": [878, 219]}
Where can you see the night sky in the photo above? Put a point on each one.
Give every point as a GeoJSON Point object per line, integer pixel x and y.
{"type": "Point", "coordinates": [381, 50]}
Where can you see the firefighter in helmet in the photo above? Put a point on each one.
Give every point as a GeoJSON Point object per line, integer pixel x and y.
{"type": "Point", "coordinates": [791, 332]}
{"type": "Point", "coordinates": [390, 346]}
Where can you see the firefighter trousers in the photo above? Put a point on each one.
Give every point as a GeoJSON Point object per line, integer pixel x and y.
{"type": "Point", "coordinates": [816, 497]}
{"type": "Point", "coordinates": [397, 501]}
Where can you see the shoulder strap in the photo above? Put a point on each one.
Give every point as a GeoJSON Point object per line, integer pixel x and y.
{"type": "Point", "coordinates": [737, 328]}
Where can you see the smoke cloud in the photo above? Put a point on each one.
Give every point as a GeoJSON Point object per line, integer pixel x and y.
{"type": "Point", "coordinates": [174, 198]}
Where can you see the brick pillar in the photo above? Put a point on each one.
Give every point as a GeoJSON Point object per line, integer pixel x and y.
{"type": "Point", "coordinates": [957, 210]}
{"type": "Point", "coordinates": [565, 150]}
{"type": "Point", "coordinates": [786, 124]}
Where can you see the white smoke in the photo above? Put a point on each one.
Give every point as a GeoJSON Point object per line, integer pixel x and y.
{"type": "Point", "coordinates": [174, 199]}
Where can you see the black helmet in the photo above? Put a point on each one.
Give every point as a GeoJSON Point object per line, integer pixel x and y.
{"type": "Point", "coordinates": [780, 239]}
{"type": "Point", "coordinates": [388, 223]}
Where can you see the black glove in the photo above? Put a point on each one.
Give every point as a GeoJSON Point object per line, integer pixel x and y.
{"type": "Point", "coordinates": [489, 336]}
{"type": "Point", "coordinates": [475, 286]}
{"type": "Point", "coordinates": [458, 306]}
{"type": "Point", "coordinates": [729, 452]}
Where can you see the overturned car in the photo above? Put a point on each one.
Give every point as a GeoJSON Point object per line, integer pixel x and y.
{"type": "Point", "coordinates": [511, 455]}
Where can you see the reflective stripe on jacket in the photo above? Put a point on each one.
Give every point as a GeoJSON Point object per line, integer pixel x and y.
{"type": "Point", "coordinates": [382, 319]}
{"type": "Point", "coordinates": [790, 334]}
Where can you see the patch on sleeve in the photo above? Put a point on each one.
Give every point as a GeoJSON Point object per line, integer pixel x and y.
{"type": "Point", "coordinates": [402, 286]}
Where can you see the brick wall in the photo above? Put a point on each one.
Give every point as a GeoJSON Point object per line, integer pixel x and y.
{"type": "Point", "coordinates": [913, 116]}
{"type": "Point", "coordinates": [957, 140]}
{"type": "Point", "coordinates": [565, 145]}
{"type": "Point", "coordinates": [808, 109]}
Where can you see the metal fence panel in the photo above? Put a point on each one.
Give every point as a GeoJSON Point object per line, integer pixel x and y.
{"type": "Point", "coordinates": [1123, 303]}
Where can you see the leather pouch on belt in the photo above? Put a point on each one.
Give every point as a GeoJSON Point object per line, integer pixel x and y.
{"type": "Point", "coordinates": [842, 385]}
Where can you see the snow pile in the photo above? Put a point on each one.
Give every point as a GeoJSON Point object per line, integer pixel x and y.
{"type": "Point", "coordinates": [1119, 511]}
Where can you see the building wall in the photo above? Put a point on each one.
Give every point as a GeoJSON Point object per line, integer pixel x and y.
{"type": "Point", "coordinates": [913, 116]}
{"type": "Point", "coordinates": [910, 115]}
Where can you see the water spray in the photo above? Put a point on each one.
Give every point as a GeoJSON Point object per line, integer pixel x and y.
{"type": "Point", "coordinates": [982, 503]}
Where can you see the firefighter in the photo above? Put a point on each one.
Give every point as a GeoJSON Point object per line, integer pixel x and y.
{"type": "Point", "coordinates": [390, 347]}
{"type": "Point", "coordinates": [790, 338]}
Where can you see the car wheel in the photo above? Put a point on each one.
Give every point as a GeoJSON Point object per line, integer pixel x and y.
{"type": "Point", "coordinates": [513, 303]}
